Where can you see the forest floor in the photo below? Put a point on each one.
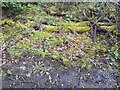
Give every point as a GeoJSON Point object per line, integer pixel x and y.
{"type": "Point", "coordinates": [53, 75]}
{"type": "Point", "coordinates": [47, 48]}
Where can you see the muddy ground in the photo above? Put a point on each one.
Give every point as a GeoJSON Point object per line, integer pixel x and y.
{"type": "Point", "coordinates": [51, 74]}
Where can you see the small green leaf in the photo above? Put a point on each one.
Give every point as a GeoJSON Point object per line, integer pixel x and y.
{"type": "Point", "coordinates": [65, 60]}
{"type": "Point", "coordinates": [61, 40]}
{"type": "Point", "coordinates": [82, 66]}
{"type": "Point", "coordinates": [55, 56]}
{"type": "Point", "coordinates": [115, 54]}
{"type": "Point", "coordinates": [46, 51]}
{"type": "Point", "coordinates": [43, 53]}
{"type": "Point", "coordinates": [9, 72]}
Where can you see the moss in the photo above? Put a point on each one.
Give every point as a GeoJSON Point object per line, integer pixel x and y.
{"type": "Point", "coordinates": [100, 47]}
{"type": "Point", "coordinates": [78, 41]}
{"type": "Point", "coordinates": [14, 31]}
{"type": "Point", "coordinates": [82, 24]}
{"type": "Point", "coordinates": [102, 23]}
{"type": "Point", "coordinates": [65, 61]}
{"type": "Point", "coordinates": [50, 28]}
{"type": "Point", "coordinates": [72, 50]}
{"type": "Point", "coordinates": [63, 12]}
{"type": "Point", "coordinates": [14, 52]}
{"type": "Point", "coordinates": [85, 60]}
{"type": "Point", "coordinates": [52, 12]}
{"type": "Point", "coordinates": [89, 67]}
{"type": "Point", "coordinates": [3, 38]}
{"type": "Point", "coordinates": [55, 41]}
{"type": "Point", "coordinates": [46, 34]}
{"type": "Point", "coordinates": [101, 37]}
{"type": "Point", "coordinates": [43, 12]}
{"type": "Point", "coordinates": [89, 52]}
{"type": "Point", "coordinates": [78, 27]}
{"type": "Point", "coordinates": [111, 28]}
{"type": "Point", "coordinates": [97, 46]}
{"type": "Point", "coordinates": [30, 5]}
{"type": "Point", "coordinates": [8, 22]}
{"type": "Point", "coordinates": [30, 16]}
{"type": "Point", "coordinates": [103, 49]}
{"type": "Point", "coordinates": [69, 51]}
{"type": "Point", "coordinates": [82, 38]}
{"type": "Point", "coordinates": [29, 23]}
{"type": "Point", "coordinates": [20, 26]}
{"type": "Point", "coordinates": [87, 41]}
{"type": "Point", "coordinates": [41, 35]}
{"type": "Point", "coordinates": [33, 30]}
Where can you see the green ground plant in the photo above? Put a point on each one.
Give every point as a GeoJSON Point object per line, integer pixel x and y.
{"type": "Point", "coordinates": [59, 35]}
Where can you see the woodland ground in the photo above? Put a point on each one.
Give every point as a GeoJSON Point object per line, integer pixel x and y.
{"type": "Point", "coordinates": [54, 46]}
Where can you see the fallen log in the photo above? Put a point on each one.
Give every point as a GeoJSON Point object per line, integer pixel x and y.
{"type": "Point", "coordinates": [96, 27]}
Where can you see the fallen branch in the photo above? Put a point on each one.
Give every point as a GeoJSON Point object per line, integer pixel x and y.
{"type": "Point", "coordinates": [59, 14]}
{"type": "Point", "coordinates": [95, 27]}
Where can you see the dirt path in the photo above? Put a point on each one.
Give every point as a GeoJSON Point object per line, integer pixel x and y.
{"type": "Point", "coordinates": [48, 73]}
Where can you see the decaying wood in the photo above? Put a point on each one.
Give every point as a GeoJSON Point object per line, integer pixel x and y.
{"type": "Point", "coordinates": [96, 27]}
{"type": "Point", "coordinates": [59, 14]}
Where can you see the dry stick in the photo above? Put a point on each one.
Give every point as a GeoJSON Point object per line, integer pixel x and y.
{"type": "Point", "coordinates": [101, 28]}
{"type": "Point", "coordinates": [104, 29]}
{"type": "Point", "coordinates": [95, 30]}
{"type": "Point", "coordinates": [105, 24]}
{"type": "Point", "coordinates": [56, 14]}
{"type": "Point", "coordinates": [95, 26]}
